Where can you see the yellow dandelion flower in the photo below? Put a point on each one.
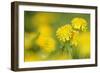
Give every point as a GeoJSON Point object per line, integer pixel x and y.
{"type": "Point", "coordinates": [75, 38]}
{"type": "Point", "coordinates": [79, 23]}
{"type": "Point", "coordinates": [47, 44]}
{"type": "Point", "coordinates": [64, 33]}
{"type": "Point", "coordinates": [45, 30]}
{"type": "Point", "coordinates": [84, 44]}
{"type": "Point", "coordinates": [41, 19]}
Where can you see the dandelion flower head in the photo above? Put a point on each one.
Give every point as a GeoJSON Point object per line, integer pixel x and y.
{"type": "Point", "coordinates": [75, 38]}
{"type": "Point", "coordinates": [79, 24]}
{"type": "Point", "coordinates": [64, 33]}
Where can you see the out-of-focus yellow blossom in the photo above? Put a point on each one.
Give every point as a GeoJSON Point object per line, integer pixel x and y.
{"type": "Point", "coordinates": [75, 38]}
{"type": "Point", "coordinates": [84, 44]}
{"type": "Point", "coordinates": [79, 24]}
{"type": "Point", "coordinates": [42, 19]}
{"type": "Point", "coordinates": [45, 30]}
{"type": "Point", "coordinates": [64, 33]}
{"type": "Point", "coordinates": [32, 57]}
{"type": "Point", "coordinates": [28, 40]}
{"type": "Point", "coordinates": [47, 44]}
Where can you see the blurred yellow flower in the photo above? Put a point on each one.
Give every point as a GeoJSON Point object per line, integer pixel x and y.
{"type": "Point", "coordinates": [75, 38]}
{"type": "Point", "coordinates": [64, 33]}
{"type": "Point", "coordinates": [41, 19]}
{"type": "Point", "coordinates": [45, 30]}
{"type": "Point", "coordinates": [79, 23]}
{"type": "Point", "coordinates": [47, 44]}
{"type": "Point", "coordinates": [84, 44]}
{"type": "Point", "coordinates": [28, 38]}
{"type": "Point", "coordinates": [32, 57]}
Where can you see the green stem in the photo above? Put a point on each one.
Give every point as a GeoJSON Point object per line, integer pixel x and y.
{"type": "Point", "coordinates": [67, 48]}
